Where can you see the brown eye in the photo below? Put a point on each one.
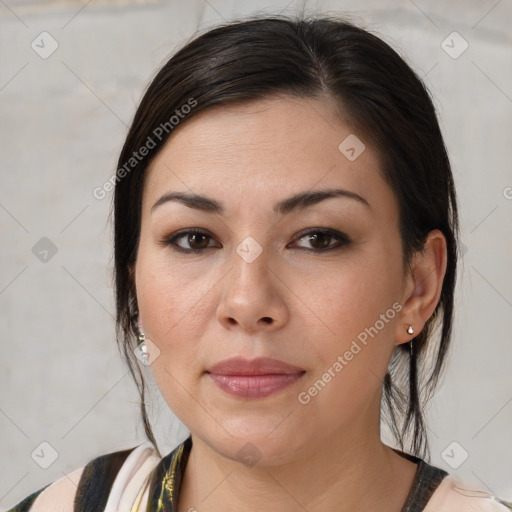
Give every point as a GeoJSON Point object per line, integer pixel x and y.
{"type": "Point", "coordinates": [198, 241]}
{"type": "Point", "coordinates": [322, 240]}
{"type": "Point", "coordinates": [190, 241]}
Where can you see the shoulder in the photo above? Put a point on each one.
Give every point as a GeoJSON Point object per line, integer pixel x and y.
{"type": "Point", "coordinates": [452, 495]}
{"type": "Point", "coordinates": [106, 478]}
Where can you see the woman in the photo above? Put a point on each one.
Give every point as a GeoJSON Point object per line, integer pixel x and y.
{"type": "Point", "coordinates": [285, 247]}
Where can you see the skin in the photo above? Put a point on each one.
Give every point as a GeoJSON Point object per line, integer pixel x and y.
{"type": "Point", "coordinates": [294, 303]}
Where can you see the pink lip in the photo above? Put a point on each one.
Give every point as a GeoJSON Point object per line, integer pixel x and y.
{"type": "Point", "coordinates": [256, 378]}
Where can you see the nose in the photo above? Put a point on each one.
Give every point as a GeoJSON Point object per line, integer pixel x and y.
{"type": "Point", "coordinates": [252, 297]}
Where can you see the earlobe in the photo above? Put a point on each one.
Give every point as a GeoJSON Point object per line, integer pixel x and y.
{"type": "Point", "coordinates": [421, 296]}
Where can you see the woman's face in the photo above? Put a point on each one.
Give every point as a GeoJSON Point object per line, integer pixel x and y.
{"type": "Point", "coordinates": [316, 283]}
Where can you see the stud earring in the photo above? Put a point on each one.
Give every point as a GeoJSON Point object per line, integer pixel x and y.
{"type": "Point", "coordinates": [410, 330]}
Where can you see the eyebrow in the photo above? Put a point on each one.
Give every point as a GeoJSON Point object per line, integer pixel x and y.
{"type": "Point", "coordinates": [294, 203]}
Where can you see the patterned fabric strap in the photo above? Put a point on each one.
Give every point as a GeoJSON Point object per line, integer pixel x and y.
{"type": "Point", "coordinates": [166, 479]}
{"type": "Point", "coordinates": [96, 481]}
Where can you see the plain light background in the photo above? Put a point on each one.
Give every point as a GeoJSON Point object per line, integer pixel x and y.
{"type": "Point", "coordinates": [62, 123]}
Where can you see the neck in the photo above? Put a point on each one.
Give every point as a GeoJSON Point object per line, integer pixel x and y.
{"type": "Point", "coordinates": [343, 472]}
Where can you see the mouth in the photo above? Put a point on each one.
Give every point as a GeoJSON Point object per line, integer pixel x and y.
{"type": "Point", "coordinates": [256, 378]}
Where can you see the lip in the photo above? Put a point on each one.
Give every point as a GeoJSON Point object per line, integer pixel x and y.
{"type": "Point", "coordinates": [258, 366]}
{"type": "Point", "coordinates": [254, 378]}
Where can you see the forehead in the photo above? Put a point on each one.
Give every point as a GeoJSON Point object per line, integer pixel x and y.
{"type": "Point", "coordinates": [266, 149]}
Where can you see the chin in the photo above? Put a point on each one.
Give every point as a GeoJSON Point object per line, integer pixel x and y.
{"type": "Point", "coordinates": [253, 445]}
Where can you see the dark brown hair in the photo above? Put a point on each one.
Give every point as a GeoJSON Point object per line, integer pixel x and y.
{"type": "Point", "coordinates": [377, 93]}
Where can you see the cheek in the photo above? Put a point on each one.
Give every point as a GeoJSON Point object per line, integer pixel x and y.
{"type": "Point", "coordinates": [354, 297]}
{"type": "Point", "coordinates": [172, 307]}
{"type": "Point", "coordinates": [352, 362]}
{"type": "Point", "coordinates": [171, 301]}
{"type": "Point", "coordinates": [359, 306]}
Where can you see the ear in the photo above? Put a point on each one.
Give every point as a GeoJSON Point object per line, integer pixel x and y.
{"type": "Point", "coordinates": [423, 285]}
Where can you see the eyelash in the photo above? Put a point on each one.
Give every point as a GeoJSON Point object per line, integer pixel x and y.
{"type": "Point", "coordinates": [343, 239]}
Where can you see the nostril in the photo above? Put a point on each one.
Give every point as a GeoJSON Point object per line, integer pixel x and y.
{"type": "Point", "coordinates": [267, 319]}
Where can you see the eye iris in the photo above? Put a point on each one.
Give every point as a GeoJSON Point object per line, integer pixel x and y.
{"type": "Point", "coordinates": [198, 241]}
{"type": "Point", "coordinates": [320, 240]}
